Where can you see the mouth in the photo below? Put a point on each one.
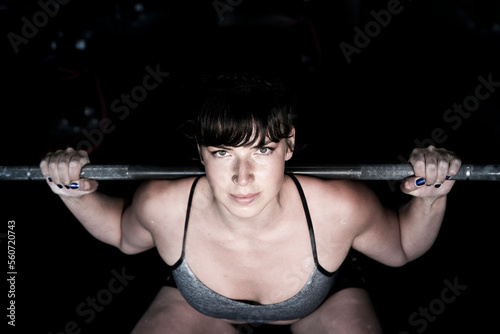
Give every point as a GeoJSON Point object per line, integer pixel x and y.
{"type": "Point", "coordinates": [244, 199]}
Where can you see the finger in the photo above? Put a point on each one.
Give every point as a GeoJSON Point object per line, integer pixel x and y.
{"type": "Point", "coordinates": [63, 167]}
{"type": "Point", "coordinates": [431, 166]}
{"type": "Point", "coordinates": [454, 166]}
{"type": "Point", "coordinates": [417, 160]}
{"type": "Point", "coordinates": [411, 184]}
{"type": "Point", "coordinates": [74, 168]}
{"type": "Point", "coordinates": [442, 171]}
{"type": "Point", "coordinates": [86, 185]}
{"type": "Point", "coordinates": [44, 167]}
{"type": "Point", "coordinates": [77, 161]}
{"type": "Point", "coordinates": [53, 162]}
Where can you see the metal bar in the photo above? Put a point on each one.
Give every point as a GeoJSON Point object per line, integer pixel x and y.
{"type": "Point", "coordinates": [356, 172]}
{"type": "Point", "coordinates": [392, 172]}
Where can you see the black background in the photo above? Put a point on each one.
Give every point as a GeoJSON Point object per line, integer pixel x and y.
{"type": "Point", "coordinates": [387, 100]}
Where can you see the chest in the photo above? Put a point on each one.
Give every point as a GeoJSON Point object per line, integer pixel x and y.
{"type": "Point", "coordinates": [266, 268]}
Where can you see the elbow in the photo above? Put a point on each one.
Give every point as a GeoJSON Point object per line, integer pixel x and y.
{"type": "Point", "coordinates": [404, 258]}
{"type": "Point", "coordinates": [398, 260]}
{"type": "Point", "coordinates": [124, 247]}
{"type": "Point", "coordinates": [399, 263]}
{"type": "Point", "coordinates": [130, 249]}
{"type": "Point", "coordinates": [127, 250]}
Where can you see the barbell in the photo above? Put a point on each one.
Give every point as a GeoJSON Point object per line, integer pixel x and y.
{"type": "Point", "coordinates": [354, 171]}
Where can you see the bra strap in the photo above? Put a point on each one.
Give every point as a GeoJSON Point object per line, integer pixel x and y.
{"type": "Point", "coordinates": [310, 225]}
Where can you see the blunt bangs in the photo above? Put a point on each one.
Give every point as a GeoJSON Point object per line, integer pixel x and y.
{"type": "Point", "coordinates": [243, 116]}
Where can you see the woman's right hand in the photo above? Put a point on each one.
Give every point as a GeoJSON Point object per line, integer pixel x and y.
{"type": "Point", "coordinates": [62, 169]}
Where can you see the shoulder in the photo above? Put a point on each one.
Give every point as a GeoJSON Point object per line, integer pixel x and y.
{"type": "Point", "coordinates": [158, 190]}
{"type": "Point", "coordinates": [167, 196]}
{"type": "Point", "coordinates": [344, 191]}
{"type": "Point", "coordinates": [349, 199]}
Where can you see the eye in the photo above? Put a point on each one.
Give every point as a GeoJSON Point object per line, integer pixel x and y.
{"type": "Point", "coordinates": [220, 153]}
{"type": "Point", "coordinates": [264, 150]}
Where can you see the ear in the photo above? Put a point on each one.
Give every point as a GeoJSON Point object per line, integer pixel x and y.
{"type": "Point", "coordinates": [199, 153]}
{"type": "Point", "coordinates": [290, 144]}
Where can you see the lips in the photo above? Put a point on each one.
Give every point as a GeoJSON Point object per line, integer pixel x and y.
{"type": "Point", "coordinates": [244, 199]}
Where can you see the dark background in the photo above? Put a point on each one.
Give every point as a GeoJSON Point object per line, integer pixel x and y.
{"type": "Point", "coordinates": [387, 100]}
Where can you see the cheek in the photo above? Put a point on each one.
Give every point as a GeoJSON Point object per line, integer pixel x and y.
{"type": "Point", "coordinates": [272, 177]}
{"type": "Point", "coordinates": [219, 177]}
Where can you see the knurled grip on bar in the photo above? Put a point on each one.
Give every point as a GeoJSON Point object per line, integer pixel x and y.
{"type": "Point", "coordinates": [356, 172]}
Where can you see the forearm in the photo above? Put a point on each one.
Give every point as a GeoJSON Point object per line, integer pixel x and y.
{"type": "Point", "coordinates": [100, 215]}
{"type": "Point", "coordinates": [420, 221]}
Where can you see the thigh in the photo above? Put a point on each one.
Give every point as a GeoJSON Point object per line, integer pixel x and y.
{"type": "Point", "coordinates": [348, 311]}
{"type": "Point", "coordinates": [170, 313]}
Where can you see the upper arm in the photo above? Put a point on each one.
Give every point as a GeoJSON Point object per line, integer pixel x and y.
{"type": "Point", "coordinates": [136, 235]}
{"type": "Point", "coordinates": [377, 229]}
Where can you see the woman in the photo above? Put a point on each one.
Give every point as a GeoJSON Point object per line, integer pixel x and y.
{"type": "Point", "coordinates": [248, 243]}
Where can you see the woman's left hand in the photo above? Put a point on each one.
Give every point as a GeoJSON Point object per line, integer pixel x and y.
{"type": "Point", "coordinates": [433, 167]}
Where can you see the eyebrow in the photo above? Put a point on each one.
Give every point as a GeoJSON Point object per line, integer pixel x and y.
{"type": "Point", "coordinates": [219, 147]}
{"type": "Point", "coordinates": [224, 147]}
{"type": "Point", "coordinates": [266, 142]}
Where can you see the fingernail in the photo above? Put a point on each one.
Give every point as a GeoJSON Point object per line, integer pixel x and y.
{"type": "Point", "coordinates": [420, 182]}
{"type": "Point", "coordinates": [437, 185]}
{"type": "Point", "coordinates": [448, 177]}
{"type": "Point", "coordinates": [74, 186]}
{"type": "Point", "coordinates": [65, 186]}
{"type": "Point", "coordinates": [49, 179]}
{"type": "Point", "coordinates": [60, 186]}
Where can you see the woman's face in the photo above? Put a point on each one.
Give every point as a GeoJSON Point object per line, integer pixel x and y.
{"type": "Point", "coordinates": [245, 180]}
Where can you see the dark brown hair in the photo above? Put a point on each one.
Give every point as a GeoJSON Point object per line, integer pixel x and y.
{"type": "Point", "coordinates": [242, 109]}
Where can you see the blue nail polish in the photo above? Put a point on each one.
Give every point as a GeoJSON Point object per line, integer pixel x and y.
{"type": "Point", "coordinates": [60, 186]}
{"type": "Point", "coordinates": [49, 179]}
{"type": "Point", "coordinates": [437, 185]}
{"type": "Point", "coordinates": [420, 182]}
{"type": "Point", "coordinates": [65, 186]}
{"type": "Point", "coordinates": [448, 177]}
{"type": "Point", "coordinates": [74, 186]}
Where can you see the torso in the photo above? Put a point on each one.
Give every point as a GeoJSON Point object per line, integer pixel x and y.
{"type": "Point", "coordinates": [268, 266]}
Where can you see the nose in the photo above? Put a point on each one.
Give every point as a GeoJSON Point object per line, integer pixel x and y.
{"type": "Point", "coordinates": [243, 174]}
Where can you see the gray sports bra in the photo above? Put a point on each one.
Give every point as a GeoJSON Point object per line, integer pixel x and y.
{"type": "Point", "coordinates": [212, 304]}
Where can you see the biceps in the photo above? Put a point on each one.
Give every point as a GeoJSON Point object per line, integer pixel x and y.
{"type": "Point", "coordinates": [135, 238]}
